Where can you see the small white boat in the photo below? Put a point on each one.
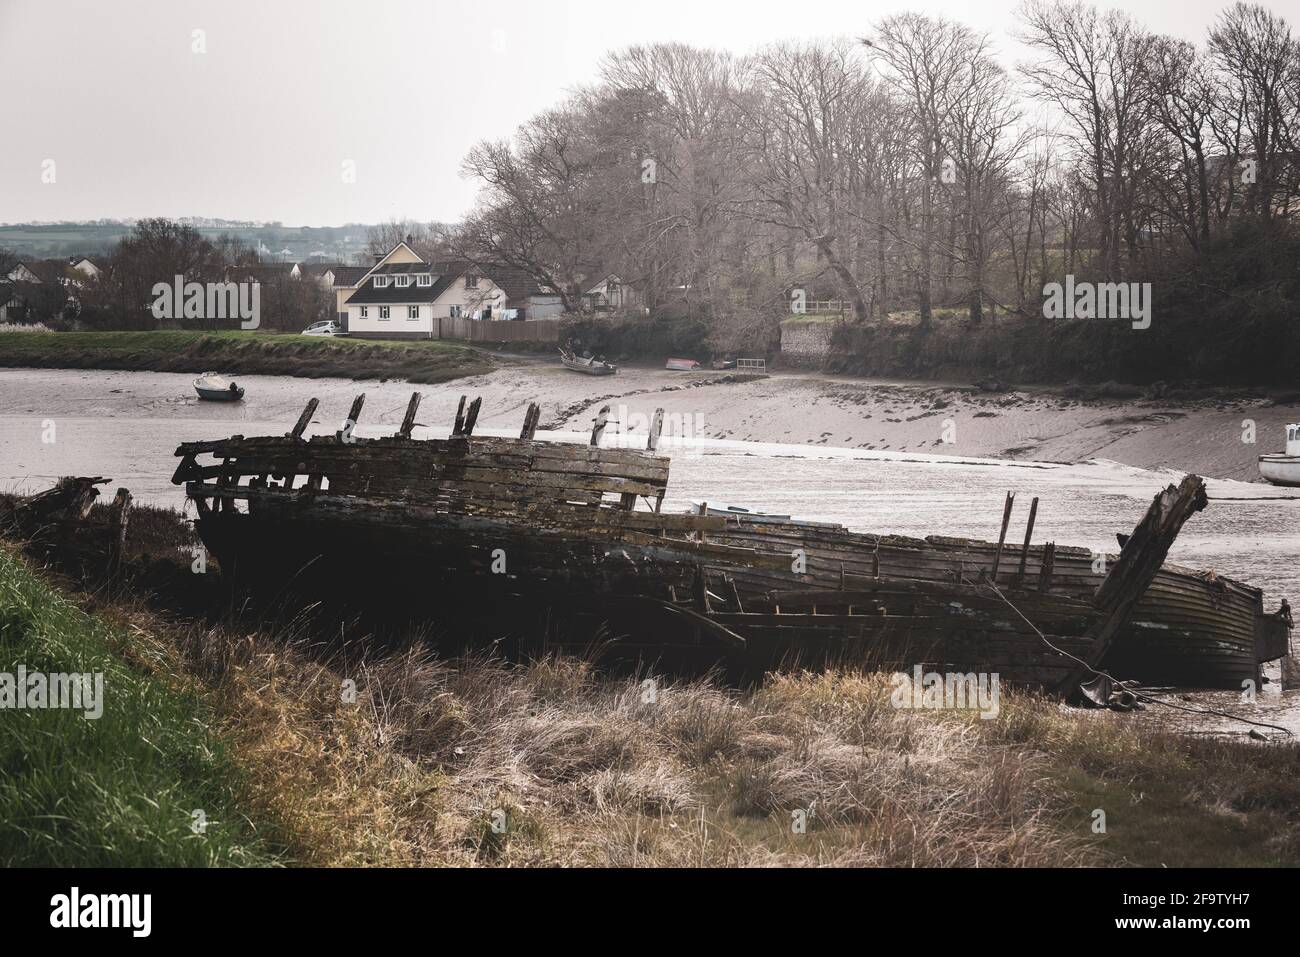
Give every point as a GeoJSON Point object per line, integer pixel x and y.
{"type": "Point", "coordinates": [722, 508]}
{"type": "Point", "coordinates": [682, 365]}
{"type": "Point", "coordinates": [589, 365]}
{"type": "Point", "coordinates": [1284, 468]}
{"type": "Point", "coordinates": [217, 388]}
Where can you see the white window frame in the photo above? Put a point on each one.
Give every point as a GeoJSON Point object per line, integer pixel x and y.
{"type": "Point", "coordinates": [401, 282]}
{"type": "Point", "coordinates": [385, 312]}
{"type": "Point", "coordinates": [412, 312]}
{"type": "Point", "coordinates": [365, 312]}
{"type": "Point", "coordinates": [424, 279]}
{"type": "Point", "coordinates": [457, 312]}
{"type": "Point", "coordinates": [381, 282]}
{"type": "Point", "coordinates": [471, 280]}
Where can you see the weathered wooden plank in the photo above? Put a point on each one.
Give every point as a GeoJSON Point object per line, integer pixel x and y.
{"type": "Point", "coordinates": [598, 430]}
{"type": "Point", "coordinates": [1139, 562]}
{"type": "Point", "coordinates": [304, 420]}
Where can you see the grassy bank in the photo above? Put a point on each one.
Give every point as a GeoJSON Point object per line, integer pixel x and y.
{"type": "Point", "coordinates": [386, 755]}
{"type": "Point", "coordinates": [237, 352]}
{"type": "Point", "coordinates": [576, 767]}
{"type": "Point", "coordinates": [119, 790]}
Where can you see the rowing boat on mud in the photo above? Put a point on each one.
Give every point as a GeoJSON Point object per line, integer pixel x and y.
{"type": "Point", "coordinates": [588, 365]}
{"type": "Point", "coordinates": [472, 519]}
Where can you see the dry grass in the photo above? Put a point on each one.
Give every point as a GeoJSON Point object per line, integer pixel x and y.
{"type": "Point", "coordinates": [477, 762]}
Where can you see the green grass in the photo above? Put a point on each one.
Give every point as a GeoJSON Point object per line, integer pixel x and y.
{"type": "Point", "coordinates": [244, 353]}
{"type": "Point", "coordinates": [115, 791]}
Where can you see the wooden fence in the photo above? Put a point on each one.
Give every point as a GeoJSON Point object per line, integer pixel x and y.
{"type": "Point", "coordinates": [488, 330]}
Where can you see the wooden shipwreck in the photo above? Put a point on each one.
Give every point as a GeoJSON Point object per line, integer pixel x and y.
{"type": "Point", "coordinates": [63, 522]}
{"type": "Point", "coordinates": [483, 520]}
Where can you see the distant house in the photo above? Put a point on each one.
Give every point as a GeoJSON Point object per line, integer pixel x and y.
{"type": "Point", "coordinates": [525, 297]}
{"type": "Point", "coordinates": [322, 272]}
{"type": "Point", "coordinates": [38, 271]}
{"type": "Point", "coordinates": [86, 266]}
{"type": "Point", "coordinates": [40, 287]}
{"type": "Point", "coordinates": [11, 305]}
{"type": "Point", "coordinates": [262, 272]}
{"type": "Point", "coordinates": [401, 296]}
{"type": "Point", "coordinates": [610, 293]}
{"type": "Point", "coordinates": [343, 281]}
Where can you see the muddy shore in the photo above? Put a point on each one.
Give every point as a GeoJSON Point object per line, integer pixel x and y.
{"type": "Point", "coordinates": [1218, 435]}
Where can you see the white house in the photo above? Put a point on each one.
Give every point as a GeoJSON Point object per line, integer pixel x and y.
{"type": "Point", "coordinates": [401, 297]}
{"type": "Point", "coordinates": [610, 293]}
{"type": "Point", "coordinates": [86, 267]}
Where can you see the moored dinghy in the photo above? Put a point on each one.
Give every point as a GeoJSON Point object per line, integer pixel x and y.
{"type": "Point", "coordinates": [589, 365]}
{"type": "Point", "coordinates": [1284, 468]}
{"type": "Point", "coordinates": [217, 388]}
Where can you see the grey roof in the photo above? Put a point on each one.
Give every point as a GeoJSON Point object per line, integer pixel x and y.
{"type": "Point", "coordinates": [413, 294]}
{"type": "Point", "coordinates": [516, 283]}
{"type": "Point", "coordinates": [399, 268]}
{"type": "Point", "coordinates": [349, 275]}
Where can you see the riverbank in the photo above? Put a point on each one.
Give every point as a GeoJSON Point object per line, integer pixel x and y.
{"type": "Point", "coordinates": [476, 762]}
{"type": "Point", "coordinates": [137, 776]}
{"type": "Point", "coordinates": [236, 352]}
{"type": "Point", "coordinates": [1218, 433]}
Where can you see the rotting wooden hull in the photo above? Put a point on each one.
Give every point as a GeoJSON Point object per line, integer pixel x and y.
{"type": "Point", "coordinates": [471, 519]}
{"type": "Point", "coordinates": [1189, 628]}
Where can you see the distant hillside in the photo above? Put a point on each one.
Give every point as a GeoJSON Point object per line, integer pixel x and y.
{"type": "Point", "coordinates": [292, 243]}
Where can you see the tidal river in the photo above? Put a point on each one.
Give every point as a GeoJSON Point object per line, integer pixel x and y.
{"type": "Point", "coordinates": [126, 426]}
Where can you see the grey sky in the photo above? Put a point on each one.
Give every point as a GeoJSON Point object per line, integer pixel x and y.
{"type": "Point", "coordinates": [258, 127]}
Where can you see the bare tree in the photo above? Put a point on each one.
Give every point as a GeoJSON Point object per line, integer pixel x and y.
{"type": "Point", "coordinates": [922, 59]}
{"type": "Point", "coordinates": [1260, 61]}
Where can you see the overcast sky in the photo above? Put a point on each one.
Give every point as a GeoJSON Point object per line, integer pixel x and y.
{"type": "Point", "coordinates": [259, 126]}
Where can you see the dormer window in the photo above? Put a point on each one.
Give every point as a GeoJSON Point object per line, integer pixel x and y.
{"type": "Point", "coordinates": [424, 279]}
{"type": "Point", "coordinates": [402, 281]}
{"type": "Point", "coordinates": [381, 282]}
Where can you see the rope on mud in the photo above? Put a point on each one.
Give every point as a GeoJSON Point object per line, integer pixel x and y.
{"type": "Point", "coordinates": [1137, 694]}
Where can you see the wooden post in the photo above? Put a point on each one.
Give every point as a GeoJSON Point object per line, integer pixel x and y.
{"type": "Point", "coordinates": [733, 594]}
{"type": "Point", "coordinates": [1045, 570]}
{"type": "Point", "coordinates": [602, 419]}
{"type": "Point", "coordinates": [471, 416]}
{"type": "Point", "coordinates": [1131, 574]}
{"type": "Point", "coordinates": [530, 422]}
{"type": "Point", "coordinates": [1002, 537]}
{"type": "Point", "coordinates": [408, 422]}
{"type": "Point", "coordinates": [119, 514]}
{"type": "Point", "coordinates": [1029, 534]}
{"type": "Point", "coordinates": [459, 427]}
{"type": "Point", "coordinates": [701, 591]}
{"type": "Point", "coordinates": [354, 416]}
{"type": "Point", "coordinates": [305, 419]}
{"type": "Point", "coordinates": [656, 426]}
